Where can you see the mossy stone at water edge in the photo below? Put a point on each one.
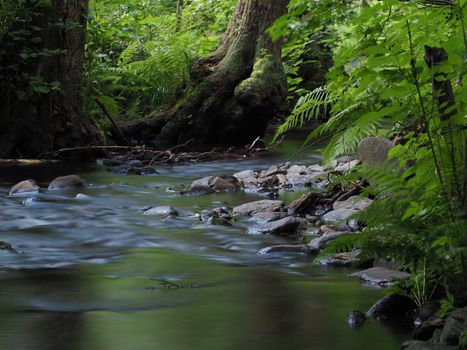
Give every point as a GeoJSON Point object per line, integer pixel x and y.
{"type": "Point", "coordinates": [423, 345]}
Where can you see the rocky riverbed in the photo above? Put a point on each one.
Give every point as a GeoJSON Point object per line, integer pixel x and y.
{"type": "Point", "coordinates": [325, 211]}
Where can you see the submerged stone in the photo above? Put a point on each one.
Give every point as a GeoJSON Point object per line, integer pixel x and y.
{"type": "Point", "coordinates": [356, 319]}
{"type": "Point", "coordinates": [380, 275]}
{"type": "Point", "coordinates": [67, 182]}
{"type": "Point", "coordinates": [26, 186]}
{"type": "Point", "coordinates": [284, 248]}
{"type": "Point", "coordinates": [161, 210]}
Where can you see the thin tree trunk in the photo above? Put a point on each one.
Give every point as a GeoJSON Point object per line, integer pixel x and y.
{"type": "Point", "coordinates": [234, 92]}
{"type": "Point", "coordinates": [441, 86]}
{"type": "Point", "coordinates": [43, 111]}
{"type": "Point", "coordinates": [179, 13]}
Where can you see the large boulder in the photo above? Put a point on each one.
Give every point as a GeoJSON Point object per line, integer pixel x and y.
{"type": "Point", "coordinates": [288, 226]}
{"type": "Point", "coordinates": [67, 182]}
{"type": "Point", "coordinates": [394, 307]}
{"type": "Point", "coordinates": [26, 186]}
{"type": "Point", "coordinates": [380, 275]}
{"type": "Point", "coordinates": [252, 208]}
{"type": "Point", "coordinates": [374, 150]}
{"type": "Point", "coordinates": [455, 325]}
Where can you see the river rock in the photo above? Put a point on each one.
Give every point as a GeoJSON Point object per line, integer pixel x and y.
{"type": "Point", "coordinates": [160, 211]}
{"type": "Point", "coordinates": [456, 324]}
{"type": "Point", "coordinates": [374, 150]}
{"type": "Point", "coordinates": [67, 182]}
{"type": "Point", "coordinates": [273, 170]}
{"type": "Point", "coordinates": [285, 248]}
{"type": "Point", "coordinates": [287, 226]}
{"type": "Point", "coordinates": [340, 259]}
{"type": "Point", "coordinates": [245, 174]}
{"type": "Point", "coordinates": [298, 180]}
{"type": "Point", "coordinates": [211, 184]}
{"type": "Point", "coordinates": [319, 243]}
{"type": "Point", "coordinates": [394, 307]}
{"type": "Point", "coordinates": [265, 216]}
{"type": "Point", "coordinates": [202, 185]}
{"type": "Point", "coordinates": [346, 167]}
{"type": "Point", "coordinates": [356, 319]}
{"type": "Point", "coordinates": [315, 168]}
{"type": "Point", "coordinates": [5, 246]}
{"type": "Point", "coordinates": [354, 203]}
{"type": "Point", "coordinates": [247, 177]}
{"type": "Point", "coordinates": [380, 275]}
{"type": "Point", "coordinates": [424, 345]}
{"type": "Point", "coordinates": [82, 197]}
{"type": "Point", "coordinates": [339, 215]}
{"type": "Point", "coordinates": [252, 208]}
{"type": "Point", "coordinates": [26, 186]}
{"type": "Point", "coordinates": [298, 170]}
{"type": "Point", "coordinates": [225, 184]}
{"type": "Point", "coordinates": [425, 329]}
{"type": "Point", "coordinates": [219, 216]}
{"type": "Point", "coordinates": [304, 204]}
{"type": "Point", "coordinates": [328, 228]}
{"type": "Point", "coordinates": [219, 211]}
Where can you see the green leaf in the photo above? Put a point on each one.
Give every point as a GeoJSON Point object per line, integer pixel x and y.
{"type": "Point", "coordinates": [109, 103]}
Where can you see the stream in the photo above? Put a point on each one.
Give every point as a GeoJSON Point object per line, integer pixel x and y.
{"type": "Point", "coordinates": [94, 273]}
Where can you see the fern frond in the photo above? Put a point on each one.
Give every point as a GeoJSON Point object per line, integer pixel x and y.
{"type": "Point", "coordinates": [307, 108]}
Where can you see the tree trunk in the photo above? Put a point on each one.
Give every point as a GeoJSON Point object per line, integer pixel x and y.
{"type": "Point", "coordinates": [40, 89]}
{"type": "Point", "coordinates": [234, 92]}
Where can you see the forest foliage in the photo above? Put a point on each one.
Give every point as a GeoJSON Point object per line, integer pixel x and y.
{"type": "Point", "coordinates": [139, 52]}
{"type": "Point", "coordinates": [382, 83]}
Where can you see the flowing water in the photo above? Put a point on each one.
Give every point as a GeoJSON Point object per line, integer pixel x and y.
{"type": "Point", "coordinates": [94, 273]}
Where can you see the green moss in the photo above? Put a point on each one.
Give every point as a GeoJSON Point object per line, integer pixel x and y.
{"type": "Point", "coordinates": [262, 79]}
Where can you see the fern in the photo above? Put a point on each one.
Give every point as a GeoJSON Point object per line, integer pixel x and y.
{"type": "Point", "coordinates": [307, 108]}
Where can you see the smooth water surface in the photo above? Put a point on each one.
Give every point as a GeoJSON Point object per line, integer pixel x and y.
{"type": "Point", "coordinates": [94, 273]}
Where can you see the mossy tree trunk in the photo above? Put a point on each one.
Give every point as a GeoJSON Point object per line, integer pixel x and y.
{"type": "Point", "coordinates": [42, 57]}
{"type": "Point", "coordinates": [234, 92]}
